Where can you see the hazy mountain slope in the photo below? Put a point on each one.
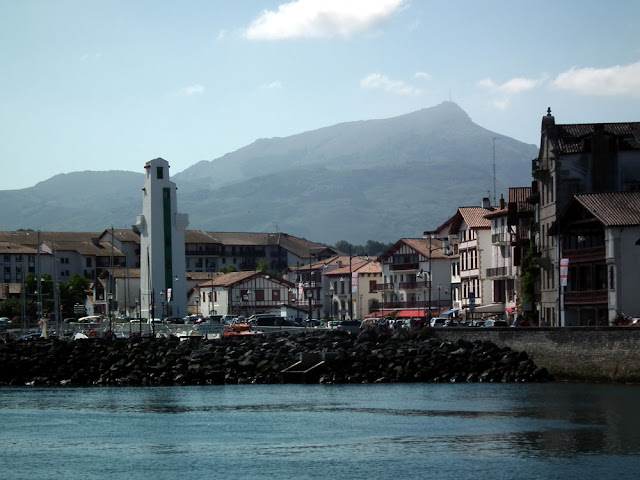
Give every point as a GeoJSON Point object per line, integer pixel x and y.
{"type": "Point", "coordinates": [358, 181]}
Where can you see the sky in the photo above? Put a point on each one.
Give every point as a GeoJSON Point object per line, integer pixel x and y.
{"type": "Point", "coordinates": [111, 84]}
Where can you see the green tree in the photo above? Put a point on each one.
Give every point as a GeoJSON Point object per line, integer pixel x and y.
{"type": "Point", "coordinates": [263, 266]}
{"type": "Point", "coordinates": [228, 269]}
{"type": "Point", "coordinates": [72, 292]}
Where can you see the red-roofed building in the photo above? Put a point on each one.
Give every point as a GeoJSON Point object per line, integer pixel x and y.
{"type": "Point", "coordinates": [575, 159]}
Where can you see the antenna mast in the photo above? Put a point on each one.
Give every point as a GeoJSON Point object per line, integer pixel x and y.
{"type": "Point", "coordinates": [494, 171]}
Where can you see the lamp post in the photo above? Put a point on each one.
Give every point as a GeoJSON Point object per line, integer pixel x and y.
{"type": "Point", "coordinates": [331, 292]}
{"type": "Point", "coordinates": [162, 302]}
{"type": "Point", "coordinates": [439, 307]}
{"type": "Point", "coordinates": [109, 298]}
{"type": "Point", "coordinates": [197, 300]}
{"type": "Point", "coordinates": [309, 294]}
{"type": "Point", "coordinates": [138, 315]}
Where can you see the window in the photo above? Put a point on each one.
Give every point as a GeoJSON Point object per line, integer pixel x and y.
{"type": "Point", "coordinates": [372, 286]}
{"type": "Point", "coordinates": [260, 295]}
{"type": "Point", "coordinates": [159, 173]}
{"type": "Point", "coordinates": [7, 258]}
{"type": "Point", "coordinates": [88, 262]}
{"type": "Point", "coordinates": [275, 295]}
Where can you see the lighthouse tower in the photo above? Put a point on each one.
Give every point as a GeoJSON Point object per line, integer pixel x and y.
{"type": "Point", "coordinates": [162, 254]}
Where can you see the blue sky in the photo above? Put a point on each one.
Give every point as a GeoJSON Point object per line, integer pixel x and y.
{"type": "Point", "coordinates": [109, 85]}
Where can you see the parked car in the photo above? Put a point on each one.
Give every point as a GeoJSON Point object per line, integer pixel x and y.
{"type": "Point", "coordinates": [351, 326]}
{"type": "Point", "coordinates": [450, 323]}
{"type": "Point", "coordinates": [495, 323]}
{"type": "Point", "coordinates": [438, 321]}
{"type": "Point", "coordinates": [333, 324]}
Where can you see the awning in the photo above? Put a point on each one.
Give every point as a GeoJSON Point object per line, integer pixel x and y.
{"type": "Point", "coordinates": [492, 308]}
{"type": "Point", "coordinates": [448, 312]}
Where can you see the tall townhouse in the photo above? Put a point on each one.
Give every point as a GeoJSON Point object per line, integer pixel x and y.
{"type": "Point", "coordinates": [472, 230]}
{"type": "Point", "coordinates": [573, 159]}
{"type": "Point", "coordinates": [600, 245]}
{"type": "Point", "coordinates": [416, 275]}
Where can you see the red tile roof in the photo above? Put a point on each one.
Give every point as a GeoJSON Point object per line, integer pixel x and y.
{"type": "Point", "coordinates": [614, 209]}
{"type": "Point", "coordinates": [569, 138]}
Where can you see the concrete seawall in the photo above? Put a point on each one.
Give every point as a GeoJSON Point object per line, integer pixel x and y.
{"type": "Point", "coordinates": [609, 354]}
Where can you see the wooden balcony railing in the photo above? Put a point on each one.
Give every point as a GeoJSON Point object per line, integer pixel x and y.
{"type": "Point", "coordinates": [587, 297]}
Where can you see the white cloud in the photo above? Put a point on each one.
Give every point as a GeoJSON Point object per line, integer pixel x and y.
{"type": "Point", "coordinates": [91, 57]}
{"type": "Point", "coordinates": [192, 90]}
{"type": "Point", "coordinates": [502, 94]}
{"type": "Point", "coordinates": [321, 18]}
{"type": "Point", "coordinates": [613, 81]}
{"type": "Point", "coordinates": [422, 75]}
{"type": "Point", "coordinates": [272, 86]}
{"type": "Point", "coordinates": [398, 87]}
{"type": "Point", "coordinates": [221, 34]}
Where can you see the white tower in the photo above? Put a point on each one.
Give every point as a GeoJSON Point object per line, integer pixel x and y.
{"type": "Point", "coordinates": [162, 251]}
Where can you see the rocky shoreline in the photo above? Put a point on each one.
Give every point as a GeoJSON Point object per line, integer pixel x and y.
{"type": "Point", "coordinates": [371, 357]}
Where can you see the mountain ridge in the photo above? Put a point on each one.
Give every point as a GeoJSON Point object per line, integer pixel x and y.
{"type": "Point", "coordinates": [378, 179]}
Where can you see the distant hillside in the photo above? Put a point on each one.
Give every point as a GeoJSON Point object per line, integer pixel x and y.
{"type": "Point", "coordinates": [357, 181]}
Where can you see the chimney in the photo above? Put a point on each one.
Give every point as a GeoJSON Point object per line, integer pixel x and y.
{"type": "Point", "coordinates": [486, 203]}
{"type": "Point", "coordinates": [502, 202]}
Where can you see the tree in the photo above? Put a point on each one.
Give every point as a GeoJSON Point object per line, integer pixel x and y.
{"type": "Point", "coordinates": [74, 291]}
{"type": "Point", "coordinates": [263, 266]}
{"type": "Point", "coordinates": [228, 269]}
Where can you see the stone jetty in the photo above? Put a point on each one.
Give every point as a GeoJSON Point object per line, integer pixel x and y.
{"type": "Point", "coordinates": [370, 357]}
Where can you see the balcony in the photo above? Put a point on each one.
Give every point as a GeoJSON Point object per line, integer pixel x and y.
{"type": "Point", "coordinates": [499, 272]}
{"type": "Point", "coordinates": [384, 287]}
{"type": "Point", "coordinates": [537, 171]}
{"type": "Point", "coordinates": [582, 255]}
{"type": "Point", "coordinates": [501, 238]}
{"type": "Point", "coordinates": [404, 266]}
{"type": "Point", "coordinates": [413, 285]}
{"type": "Point", "coordinates": [587, 297]}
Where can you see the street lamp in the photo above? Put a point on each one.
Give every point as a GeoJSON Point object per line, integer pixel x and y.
{"type": "Point", "coordinates": [162, 301]}
{"type": "Point", "coordinates": [439, 307]}
{"type": "Point", "coordinates": [332, 291]}
{"type": "Point", "coordinates": [109, 298]}
{"type": "Point", "coordinates": [309, 294]}
{"type": "Point", "coordinates": [197, 299]}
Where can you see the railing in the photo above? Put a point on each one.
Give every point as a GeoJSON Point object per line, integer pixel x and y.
{"type": "Point", "coordinates": [588, 297]}
{"type": "Point", "coordinates": [501, 238]}
{"type": "Point", "coordinates": [385, 287]}
{"type": "Point", "coordinates": [404, 266]}
{"type": "Point", "coordinates": [498, 272]}
{"type": "Point", "coordinates": [580, 255]}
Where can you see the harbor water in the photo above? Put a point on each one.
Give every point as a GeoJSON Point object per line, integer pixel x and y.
{"type": "Point", "coordinates": [382, 431]}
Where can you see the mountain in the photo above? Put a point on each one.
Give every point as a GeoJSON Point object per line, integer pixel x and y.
{"type": "Point", "coordinates": [368, 180]}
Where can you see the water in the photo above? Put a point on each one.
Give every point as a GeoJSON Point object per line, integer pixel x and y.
{"type": "Point", "coordinates": [443, 431]}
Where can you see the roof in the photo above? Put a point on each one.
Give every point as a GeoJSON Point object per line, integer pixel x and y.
{"type": "Point", "coordinates": [9, 248]}
{"type": "Point", "coordinates": [519, 196]}
{"type": "Point", "coordinates": [568, 138]}
{"type": "Point", "coordinates": [428, 248]}
{"type": "Point", "coordinates": [475, 217]}
{"type": "Point", "coordinates": [360, 266]}
{"type": "Point", "coordinates": [298, 246]}
{"type": "Point", "coordinates": [232, 278]}
{"type": "Point", "coordinates": [119, 272]}
{"type": "Point", "coordinates": [30, 237]}
{"type": "Point", "coordinates": [201, 275]}
{"type": "Point", "coordinates": [615, 209]}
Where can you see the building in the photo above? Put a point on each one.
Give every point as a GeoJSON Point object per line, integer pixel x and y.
{"type": "Point", "coordinates": [416, 275]}
{"type": "Point", "coordinates": [573, 159]}
{"type": "Point", "coordinates": [352, 288]}
{"type": "Point", "coordinates": [471, 232]}
{"type": "Point", "coordinates": [242, 294]}
{"type": "Point", "coordinates": [599, 239]}
{"type": "Point", "coordinates": [162, 243]}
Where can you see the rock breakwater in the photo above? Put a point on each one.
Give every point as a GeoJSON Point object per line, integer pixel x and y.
{"type": "Point", "coordinates": [366, 358]}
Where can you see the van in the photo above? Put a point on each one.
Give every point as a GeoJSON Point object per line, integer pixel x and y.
{"type": "Point", "coordinates": [438, 321]}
